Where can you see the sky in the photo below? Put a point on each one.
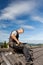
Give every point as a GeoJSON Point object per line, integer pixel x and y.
{"type": "Point", "coordinates": [27, 14]}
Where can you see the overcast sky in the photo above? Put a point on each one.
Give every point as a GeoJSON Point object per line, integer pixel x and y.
{"type": "Point", "coordinates": [27, 14]}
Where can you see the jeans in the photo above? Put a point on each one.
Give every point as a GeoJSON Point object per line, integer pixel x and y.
{"type": "Point", "coordinates": [23, 48]}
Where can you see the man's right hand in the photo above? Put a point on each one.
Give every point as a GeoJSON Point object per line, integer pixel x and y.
{"type": "Point", "coordinates": [17, 44]}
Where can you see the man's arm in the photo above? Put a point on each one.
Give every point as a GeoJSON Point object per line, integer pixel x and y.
{"type": "Point", "coordinates": [14, 37]}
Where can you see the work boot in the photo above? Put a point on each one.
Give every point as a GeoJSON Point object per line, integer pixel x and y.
{"type": "Point", "coordinates": [16, 63]}
{"type": "Point", "coordinates": [19, 63]}
{"type": "Point", "coordinates": [29, 63]}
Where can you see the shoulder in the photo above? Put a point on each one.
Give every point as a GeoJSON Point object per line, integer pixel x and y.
{"type": "Point", "coordinates": [14, 32]}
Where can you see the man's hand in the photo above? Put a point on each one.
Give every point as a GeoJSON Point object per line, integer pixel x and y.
{"type": "Point", "coordinates": [17, 44]}
{"type": "Point", "coordinates": [20, 42]}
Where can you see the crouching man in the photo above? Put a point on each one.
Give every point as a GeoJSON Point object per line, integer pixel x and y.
{"type": "Point", "coordinates": [15, 43]}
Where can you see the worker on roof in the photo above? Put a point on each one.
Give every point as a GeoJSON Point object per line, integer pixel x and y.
{"type": "Point", "coordinates": [16, 44]}
{"type": "Point", "coordinates": [14, 36]}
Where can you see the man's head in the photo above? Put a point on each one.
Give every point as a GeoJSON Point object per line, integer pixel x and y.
{"type": "Point", "coordinates": [21, 30]}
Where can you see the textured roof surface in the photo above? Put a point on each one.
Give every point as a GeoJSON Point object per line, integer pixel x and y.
{"type": "Point", "coordinates": [11, 58]}
{"type": "Point", "coordinates": [38, 56]}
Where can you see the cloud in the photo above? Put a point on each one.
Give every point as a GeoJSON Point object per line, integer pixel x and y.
{"type": "Point", "coordinates": [3, 26]}
{"type": "Point", "coordinates": [4, 35]}
{"type": "Point", "coordinates": [35, 41]}
{"type": "Point", "coordinates": [37, 18]}
{"type": "Point", "coordinates": [35, 38]}
{"type": "Point", "coordinates": [38, 36]}
{"type": "Point", "coordinates": [27, 27]}
{"type": "Point", "coordinates": [15, 9]}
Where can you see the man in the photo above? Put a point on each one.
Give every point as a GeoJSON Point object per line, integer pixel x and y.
{"type": "Point", "coordinates": [14, 37]}
{"type": "Point", "coordinates": [14, 43]}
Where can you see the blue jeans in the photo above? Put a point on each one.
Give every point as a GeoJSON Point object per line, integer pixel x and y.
{"type": "Point", "coordinates": [23, 48]}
